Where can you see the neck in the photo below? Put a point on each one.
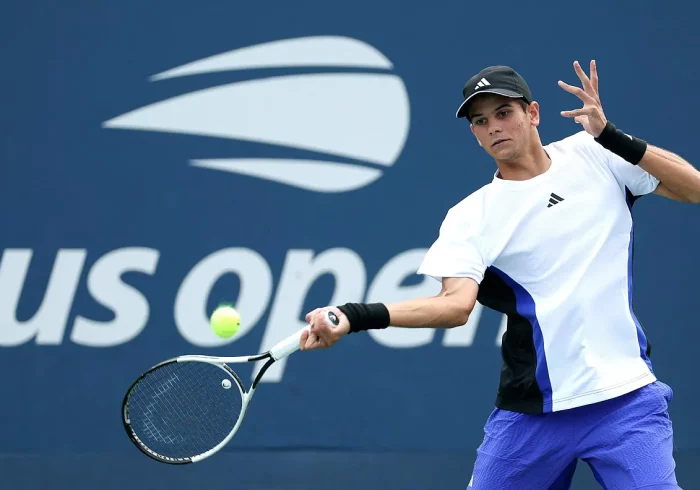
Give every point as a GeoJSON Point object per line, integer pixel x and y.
{"type": "Point", "coordinates": [533, 162]}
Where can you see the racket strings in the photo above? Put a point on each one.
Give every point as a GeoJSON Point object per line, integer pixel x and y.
{"type": "Point", "coordinates": [181, 410]}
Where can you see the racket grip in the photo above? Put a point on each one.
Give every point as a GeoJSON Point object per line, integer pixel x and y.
{"type": "Point", "coordinates": [287, 346]}
{"type": "Point", "coordinates": [291, 344]}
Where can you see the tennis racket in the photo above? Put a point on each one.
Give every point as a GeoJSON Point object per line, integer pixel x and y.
{"type": "Point", "coordinates": [186, 409]}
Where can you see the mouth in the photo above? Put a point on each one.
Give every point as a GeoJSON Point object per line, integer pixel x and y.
{"type": "Point", "coordinates": [498, 142]}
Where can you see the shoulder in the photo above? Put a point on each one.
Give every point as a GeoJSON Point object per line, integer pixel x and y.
{"type": "Point", "coordinates": [577, 140]}
{"type": "Point", "coordinates": [580, 144]}
{"type": "Point", "coordinates": [467, 215]}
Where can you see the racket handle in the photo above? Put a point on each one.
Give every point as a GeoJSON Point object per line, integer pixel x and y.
{"type": "Point", "coordinates": [291, 344]}
{"type": "Point", "coordinates": [287, 346]}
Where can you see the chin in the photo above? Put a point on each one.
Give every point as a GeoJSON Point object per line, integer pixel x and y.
{"type": "Point", "coordinates": [505, 154]}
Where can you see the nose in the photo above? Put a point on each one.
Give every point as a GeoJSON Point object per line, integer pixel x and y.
{"type": "Point", "coordinates": [494, 128]}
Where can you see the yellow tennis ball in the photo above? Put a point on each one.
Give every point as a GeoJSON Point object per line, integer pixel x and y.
{"type": "Point", "coordinates": [225, 321]}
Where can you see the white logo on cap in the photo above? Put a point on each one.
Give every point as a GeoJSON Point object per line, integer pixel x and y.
{"type": "Point", "coordinates": [482, 83]}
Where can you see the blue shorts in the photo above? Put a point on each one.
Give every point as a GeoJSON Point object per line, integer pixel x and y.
{"type": "Point", "coordinates": [627, 442]}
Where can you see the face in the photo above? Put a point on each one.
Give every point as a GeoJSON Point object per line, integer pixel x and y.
{"type": "Point", "coordinates": [501, 125]}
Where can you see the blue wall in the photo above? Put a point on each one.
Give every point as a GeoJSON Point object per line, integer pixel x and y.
{"type": "Point", "coordinates": [308, 159]}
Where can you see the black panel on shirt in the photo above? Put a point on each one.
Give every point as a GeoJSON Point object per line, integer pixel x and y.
{"type": "Point", "coordinates": [518, 390]}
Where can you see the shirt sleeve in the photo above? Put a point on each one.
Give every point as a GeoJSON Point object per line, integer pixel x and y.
{"type": "Point", "coordinates": [633, 177]}
{"type": "Point", "coordinates": [457, 252]}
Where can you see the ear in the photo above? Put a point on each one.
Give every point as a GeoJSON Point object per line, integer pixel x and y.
{"type": "Point", "coordinates": [534, 111]}
{"type": "Point", "coordinates": [471, 126]}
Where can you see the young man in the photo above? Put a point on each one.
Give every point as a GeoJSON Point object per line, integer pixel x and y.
{"type": "Point", "coordinates": [549, 243]}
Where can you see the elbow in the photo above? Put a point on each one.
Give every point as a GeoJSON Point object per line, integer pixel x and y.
{"type": "Point", "coordinates": [695, 195]}
{"type": "Point", "coordinates": [460, 316]}
{"type": "Point", "coordinates": [463, 317]}
{"type": "Point", "coordinates": [690, 197]}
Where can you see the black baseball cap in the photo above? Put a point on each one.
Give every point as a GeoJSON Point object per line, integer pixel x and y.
{"type": "Point", "coordinates": [502, 80]}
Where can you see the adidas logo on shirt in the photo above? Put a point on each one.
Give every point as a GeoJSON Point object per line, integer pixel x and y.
{"type": "Point", "coordinates": [482, 83]}
{"type": "Point", "coordinates": [554, 199]}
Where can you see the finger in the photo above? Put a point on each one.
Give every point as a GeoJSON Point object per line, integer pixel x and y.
{"type": "Point", "coordinates": [311, 314]}
{"type": "Point", "coordinates": [585, 111]}
{"type": "Point", "coordinates": [322, 330]}
{"type": "Point", "coordinates": [594, 77]}
{"type": "Point", "coordinates": [321, 317]}
{"type": "Point", "coordinates": [304, 338]}
{"type": "Point", "coordinates": [583, 77]}
{"type": "Point", "coordinates": [311, 342]}
{"type": "Point", "coordinates": [316, 324]}
{"type": "Point", "coordinates": [577, 92]}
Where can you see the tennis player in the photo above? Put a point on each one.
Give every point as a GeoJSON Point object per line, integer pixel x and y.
{"type": "Point", "coordinates": [549, 243]}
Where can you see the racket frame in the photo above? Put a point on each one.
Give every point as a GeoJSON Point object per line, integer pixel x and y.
{"type": "Point", "coordinates": [278, 351]}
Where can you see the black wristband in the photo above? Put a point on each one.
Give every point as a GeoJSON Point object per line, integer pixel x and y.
{"type": "Point", "coordinates": [363, 316]}
{"type": "Point", "coordinates": [628, 147]}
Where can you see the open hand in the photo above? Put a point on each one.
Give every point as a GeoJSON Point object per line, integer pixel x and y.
{"type": "Point", "coordinates": [591, 115]}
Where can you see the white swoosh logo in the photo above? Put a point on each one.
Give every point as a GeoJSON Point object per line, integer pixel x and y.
{"type": "Point", "coordinates": [361, 116]}
{"type": "Point", "coordinates": [302, 52]}
{"type": "Point", "coordinates": [311, 175]}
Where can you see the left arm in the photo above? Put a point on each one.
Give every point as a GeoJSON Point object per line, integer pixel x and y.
{"type": "Point", "coordinates": [679, 180]}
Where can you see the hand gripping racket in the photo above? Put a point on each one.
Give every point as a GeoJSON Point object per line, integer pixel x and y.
{"type": "Point", "coordinates": [186, 409]}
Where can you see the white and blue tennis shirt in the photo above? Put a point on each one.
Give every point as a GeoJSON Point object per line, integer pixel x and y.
{"type": "Point", "coordinates": [554, 253]}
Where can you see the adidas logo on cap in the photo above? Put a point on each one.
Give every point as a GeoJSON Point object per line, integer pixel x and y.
{"type": "Point", "coordinates": [482, 83]}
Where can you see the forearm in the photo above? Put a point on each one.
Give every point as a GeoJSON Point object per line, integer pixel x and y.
{"type": "Point", "coordinates": [450, 308]}
{"type": "Point", "coordinates": [433, 312]}
{"type": "Point", "coordinates": [679, 176]}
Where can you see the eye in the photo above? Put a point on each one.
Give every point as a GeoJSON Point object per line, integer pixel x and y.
{"type": "Point", "coordinates": [504, 113]}
{"type": "Point", "coordinates": [479, 122]}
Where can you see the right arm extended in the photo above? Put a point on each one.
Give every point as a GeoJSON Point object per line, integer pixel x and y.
{"type": "Point", "coordinates": [450, 308]}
